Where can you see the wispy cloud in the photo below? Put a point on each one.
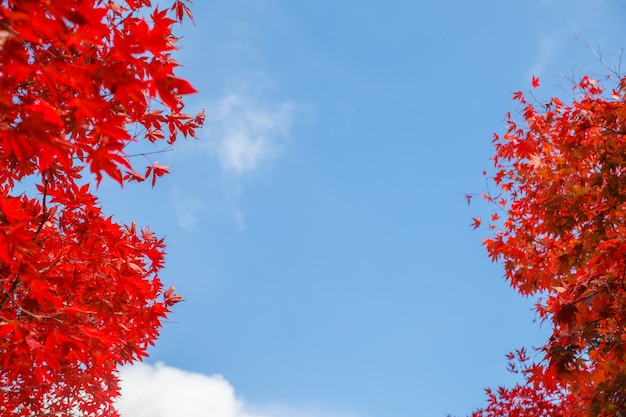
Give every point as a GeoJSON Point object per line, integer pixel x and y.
{"type": "Point", "coordinates": [163, 391]}
{"type": "Point", "coordinates": [244, 133]}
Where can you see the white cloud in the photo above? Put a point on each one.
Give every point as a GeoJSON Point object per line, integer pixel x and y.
{"type": "Point", "coordinates": [244, 133]}
{"type": "Point", "coordinates": [163, 391]}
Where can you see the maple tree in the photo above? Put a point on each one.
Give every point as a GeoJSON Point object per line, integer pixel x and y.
{"type": "Point", "coordinates": [80, 294]}
{"type": "Point", "coordinates": [560, 233]}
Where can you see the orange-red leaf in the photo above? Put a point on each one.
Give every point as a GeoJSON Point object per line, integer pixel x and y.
{"type": "Point", "coordinates": [535, 82]}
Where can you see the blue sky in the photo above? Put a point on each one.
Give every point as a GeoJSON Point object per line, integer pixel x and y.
{"type": "Point", "coordinates": [318, 229]}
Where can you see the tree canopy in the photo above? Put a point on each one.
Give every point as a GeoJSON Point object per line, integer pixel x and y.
{"type": "Point", "coordinates": [80, 294]}
{"type": "Point", "coordinates": [559, 230]}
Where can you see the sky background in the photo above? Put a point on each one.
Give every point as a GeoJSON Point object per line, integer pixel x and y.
{"type": "Point", "coordinates": [318, 229]}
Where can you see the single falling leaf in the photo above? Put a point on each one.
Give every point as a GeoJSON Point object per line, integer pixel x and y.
{"type": "Point", "coordinates": [535, 82]}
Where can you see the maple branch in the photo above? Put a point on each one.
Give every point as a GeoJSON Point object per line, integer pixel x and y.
{"type": "Point", "coordinates": [168, 149]}
{"type": "Point", "coordinates": [44, 217]}
{"type": "Point", "coordinates": [45, 73]}
{"type": "Point", "coordinates": [9, 293]}
{"type": "Point", "coordinates": [616, 132]}
{"type": "Point", "coordinates": [122, 20]}
{"type": "Point", "coordinates": [597, 54]}
{"type": "Point", "coordinates": [38, 316]}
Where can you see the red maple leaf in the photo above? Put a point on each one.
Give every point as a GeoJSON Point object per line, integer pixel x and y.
{"type": "Point", "coordinates": [535, 82]}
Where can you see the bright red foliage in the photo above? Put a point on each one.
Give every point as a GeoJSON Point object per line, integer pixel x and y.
{"type": "Point", "coordinates": [79, 293]}
{"type": "Point", "coordinates": [562, 177]}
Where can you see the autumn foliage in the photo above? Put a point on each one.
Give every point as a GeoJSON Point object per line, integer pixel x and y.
{"type": "Point", "coordinates": [561, 173]}
{"type": "Point", "coordinates": [80, 295]}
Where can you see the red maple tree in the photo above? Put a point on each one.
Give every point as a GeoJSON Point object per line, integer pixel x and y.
{"type": "Point", "coordinates": [560, 233]}
{"type": "Point", "coordinates": [79, 293]}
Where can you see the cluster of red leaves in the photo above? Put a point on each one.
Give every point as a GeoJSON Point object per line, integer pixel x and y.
{"type": "Point", "coordinates": [79, 293]}
{"type": "Point", "coordinates": [562, 178]}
